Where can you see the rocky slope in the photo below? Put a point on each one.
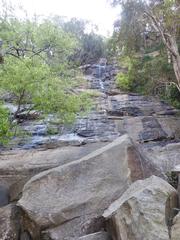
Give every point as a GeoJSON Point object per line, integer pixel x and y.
{"type": "Point", "coordinates": [97, 183]}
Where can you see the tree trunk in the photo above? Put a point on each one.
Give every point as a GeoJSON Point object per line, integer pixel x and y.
{"type": "Point", "coordinates": [175, 59]}
{"type": "Point", "coordinates": [170, 43]}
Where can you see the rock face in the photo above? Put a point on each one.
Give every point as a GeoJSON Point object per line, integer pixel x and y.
{"type": "Point", "coordinates": [96, 236]}
{"type": "Point", "coordinates": [93, 236]}
{"type": "Point", "coordinates": [175, 231]}
{"type": "Point", "coordinates": [9, 223]}
{"type": "Point", "coordinates": [153, 125]}
{"type": "Point", "coordinates": [144, 211]}
{"type": "Point", "coordinates": [16, 168]}
{"type": "Point", "coordinates": [4, 196]}
{"type": "Point", "coordinates": [77, 193]}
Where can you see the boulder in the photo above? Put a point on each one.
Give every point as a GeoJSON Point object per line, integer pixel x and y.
{"type": "Point", "coordinates": [17, 167]}
{"type": "Point", "coordinates": [144, 211]}
{"type": "Point", "coordinates": [175, 230]}
{"type": "Point", "coordinates": [80, 191]}
{"type": "Point", "coordinates": [93, 236]}
{"type": "Point", "coordinates": [9, 222]}
{"type": "Point", "coordinates": [163, 155]}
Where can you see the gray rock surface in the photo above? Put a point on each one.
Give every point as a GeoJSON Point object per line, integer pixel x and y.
{"type": "Point", "coordinates": [17, 167]}
{"type": "Point", "coordinates": [96, 236]}
{"type": "Point", "coordinates": [4, 196]}
{"type": "Point", "coordinates": [144, 211]}
{"type": "Point", "coordinates": [81, 190]}
{"type": "Point", "coordinates": [9, 222]}
{"type": "Point", "coordinates": [175, 230]}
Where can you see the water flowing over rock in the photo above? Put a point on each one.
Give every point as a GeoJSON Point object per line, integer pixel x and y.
{"type": "Point", "coordinates": [144, 211]}
{"type": "Point", "coordinates": [66, 180]}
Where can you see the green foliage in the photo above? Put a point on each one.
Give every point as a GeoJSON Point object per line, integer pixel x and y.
{"type": "Point", "coordinates": [5, 126]}
{"type": "Point", "coordinates": [157, 73]}
{"type": "Point", "coordinates": [93, 48]}
{"type": "Point", "coordinates": [122, 81]}
{"type": "Point", "coordinates": [32, 81]}
{"type": "Point", "coordinates": [90, 46]}
{"type": "Point", "coordinates": [37, 70]}
{"type": "Point", "coordinates": [148, 75]}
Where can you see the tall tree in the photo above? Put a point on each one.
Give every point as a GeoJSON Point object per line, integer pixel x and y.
{"type": "Point", "coordinates": [162, 17]}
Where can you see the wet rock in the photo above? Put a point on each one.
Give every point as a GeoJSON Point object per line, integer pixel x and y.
{"type": "Point", "coordinates": [87, 69]}
{"type": "Point", "coordinates": [152, 130]}
{"type": "Point", "coordinates": [81, 189]}
{"type": "Point", "coordinates": [86, 133]}
{"type": "Point", "coordinates": [144, 211]}
{"type": "Point", "coordinates": [27, 115]}
{"type": "Point", "coordinates": [144, 129]}
{"type": "Point", "coordinates": [9, 222]}
{"type": "Point", "coordinates": [4, 196]}
{"type": "Point", "coordinates": [144, 106]}
{"type": "Point", "coordinates": [96, 127]}
{"type": "Point", "coordinates": [126, 111]}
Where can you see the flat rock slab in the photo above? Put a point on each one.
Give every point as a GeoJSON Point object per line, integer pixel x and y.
{"type": "Point", "coordinates": [137, 105]}
{"type": "Point", "coordinates": [82, 188]}
{"type": "Point", "coordinates": [17, 167]}
{"type": "Point", "coordinates": [93, 236]}
{"type": "Point", "coordinates": [144, 211]}
{"type": "Point", "coordinates": [152, 128]}
{"type": "Point", "coordinates": [165, 156]}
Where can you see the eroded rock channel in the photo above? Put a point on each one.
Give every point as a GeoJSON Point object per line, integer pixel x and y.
{"type": "Point", "coordinates": [106, 178]}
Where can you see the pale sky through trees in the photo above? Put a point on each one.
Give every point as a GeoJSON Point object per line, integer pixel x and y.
{"type": "Point", "coordinates": [98, 11]}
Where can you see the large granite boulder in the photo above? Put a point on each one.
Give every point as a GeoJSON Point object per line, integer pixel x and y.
{"type": "Point", "coordinates": [72, 198]}
{"type": "Point", "coordinates": [102, 235]}
{"type": "Point", "coordinates": [17, 167]}
{"type": "Point", "coordinates": [144, 211]}
{"type": "Point", "coordinates": [163, 155]}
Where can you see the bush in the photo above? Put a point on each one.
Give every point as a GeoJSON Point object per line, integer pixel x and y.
{"type": "Point", "coordinates": [5, 126]}
{"type": "Point", "coordinates": [122, 81]}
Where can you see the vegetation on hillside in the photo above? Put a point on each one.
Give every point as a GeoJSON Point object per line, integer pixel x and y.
{"type": "Point", "coordinates": [38, 67]}
{"type": "Point", "coordinates": [146, 39]}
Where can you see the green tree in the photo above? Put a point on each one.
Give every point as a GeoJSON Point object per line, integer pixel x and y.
{"type": "Point", "coordinates": [5, 126]}
{"type": "Point", "coordinates": [151, 19]}
{"type": "Point", "coordinates": [90, 47]}
{"type": "Point", "coordinates": [36, 70]}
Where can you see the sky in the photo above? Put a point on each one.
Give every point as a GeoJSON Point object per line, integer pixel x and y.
{"type": "Point", "coordinates": [98, 11]}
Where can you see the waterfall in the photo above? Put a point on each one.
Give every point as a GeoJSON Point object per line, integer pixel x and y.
{"type": "Point", "coordinates": [101, 71]}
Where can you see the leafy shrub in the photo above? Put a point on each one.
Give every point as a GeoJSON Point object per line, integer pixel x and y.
{"type": "Point", "coordinates": [5, 126]}
{"type": "Point", "coordinates": [122, 81]}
